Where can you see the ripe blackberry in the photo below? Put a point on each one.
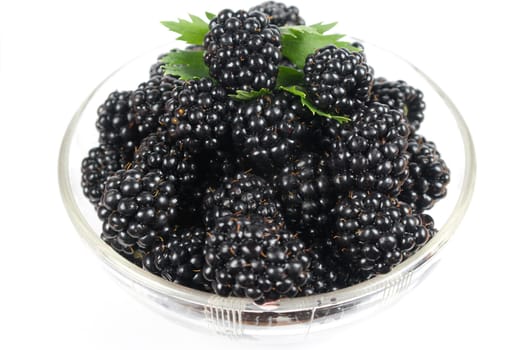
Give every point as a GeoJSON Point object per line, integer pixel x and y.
{"type": "Point", "coordinates": [249, 256]}
{"type": "Point", "coordinates": [375, 232]}
{"type": "Point", "coordinates": [306, 194]}
{"type": "Point", "coordinates": [243, 194]}
{"type": "Point", "coordinates": [327, 275]}
{"type": "Point", "coordinates": [180, 258]}
{"type": "Point", "coordinates": [216, 165]}
{"type": "Point", "coordinates": [213, 167]}
{"type": "Point", "coordinates": [147, 102]}
{"type": "Point", "coordinates": [138, 209]}
{"type": "Point", "coordinates": [337, 80]}
{"type": "Point", "coordinates": [370, 152]}
{"type": "Point", "coordinates": [280, 14]}
{"type": "Point", "coordinates": [101, 162]}
{"type": "Point", "coordinates": [428, 175]}
{"type": "Point", "coordinates": [133, 254]}
{"type": "Point", "coordinates": [243, 50]}
{"type": "Point", "coordinates": [269, 130]}
{"type": "Point", "coordinates": [197, 116]}
{"type": "Point", "coordinates": [193, 174]}
{"type": "Point", "coordinates": [158, 152]}
{"type": "Point", "coordinates": [398, 94]}
{"type": "Point", "coordinates": [116, 124]}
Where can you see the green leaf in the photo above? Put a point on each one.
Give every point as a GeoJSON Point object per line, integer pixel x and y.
{"type": "Point", "coordinates": [210, 15]}
{"type": "Point", "coordinates": [288, 76]}
{"type": "Point", "coordinates": [295, 90]}
{"type": "Point", "coordinates": [187, 64]}
{"type": "Point", "coordinates": [300, 41]}
{"type": "Point", "coordinates": [193, 32]}
{"type": "Point", "coordinates": [318, 28]}
{"type": "Point", "coordinates": [298, 91]}
{"type": "Point", "coordinates": [322, 28]}
{"type": "Point", "coordinates": [242, 95]}
{"type": "Point", "coordinates": [290, 30]}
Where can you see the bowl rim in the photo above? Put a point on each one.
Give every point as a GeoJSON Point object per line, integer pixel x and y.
{"type": "Point", "coordinates": [286, 305]}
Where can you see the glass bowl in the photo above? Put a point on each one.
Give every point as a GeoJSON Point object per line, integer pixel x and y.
{"type": "Point", "coordinates": [287, 318]}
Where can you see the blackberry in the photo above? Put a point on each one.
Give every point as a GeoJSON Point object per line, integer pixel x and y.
{"type": "Point", "coordinates": [193, 174]}
{"type": "Point", "coordinates": [327, 275]}
{"type": "Point", "coordinates": [306, 194]}
{"type": "Point", "coordinates": [375, 232]}
{"type": "Point", "coordinates": [158, 152]}
{"type": "Point", "coordinates": [133, 253]}
{"type": "Point", "coordinates": [180, 167]}
{"type": "Point", "coordinates": [243, 50]}
{"type": "Point", "coordinates": [243, 194]}
{"type": "Point", "coordinates": [101, 162]}
{"type": "Point", "coordinates": [116, 124]}
{"type": "Point", "coordinates": [147, 102]}
{"type": "Point", "coordinates": [269, 130]}
{"type": "Point", "coordinates": [217, 165]}
{"type": "Point", "coordinates": [280, 14]}
{"type": "Point", "coordinates": [337, 80]}
{"type": "Point", "coordinates": [398, 94]}
{"type": "Point", "coordinates": [428, 175]}
{"type": "Point", "coordinates": [180, 258]}
{"type": "Point", "coordinates": [370, 152]}
{"type": "Point", "coordinates": [213, 167]}
{"type": "Point", "coordinates": [249, 256]}
{"type": "Point", "coordinates": [197, 116]}
{"type": "Point", "coordinates": [137, 209]}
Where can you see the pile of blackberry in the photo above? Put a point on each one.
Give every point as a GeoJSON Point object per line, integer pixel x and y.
{"type": "Point", "coordinates": [270, 196]}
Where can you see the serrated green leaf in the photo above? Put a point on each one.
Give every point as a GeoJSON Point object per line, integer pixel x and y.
{"type": "Point", "coordinates": [300, 41]}
{"type": "Point", "coordinates": [322, 28]}
{"type": "Point", "coordinates": [186, 64]}
{"type": "Point", "coordinates": [319, 28]}
{"type": "Point", "coordinates": [291, 30]}
{"type": "Point", "coordinates": [298, 91]}
{"type": "Point", "coordinates": [242, 95]}
{"type": "Point", "coordinates": [210, 15]}
{"type": "Point", "coordinates": [192, 32]}
{"type": "Point", "coordinates": [288, 76]}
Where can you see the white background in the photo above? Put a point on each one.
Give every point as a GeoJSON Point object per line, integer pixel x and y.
{"type": "Point", "coordinates": [54, 293]}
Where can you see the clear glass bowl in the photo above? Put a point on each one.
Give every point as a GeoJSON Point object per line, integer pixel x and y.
{"type": "Point", "coordinates": [288, 318]}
